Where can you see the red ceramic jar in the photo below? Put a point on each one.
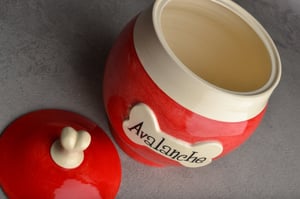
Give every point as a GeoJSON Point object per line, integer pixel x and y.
{"type": "Point", "coordinates": [188, 81]}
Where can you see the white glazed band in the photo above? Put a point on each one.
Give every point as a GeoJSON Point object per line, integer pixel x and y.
{"type": "Point", "coordinates": [186, 88]}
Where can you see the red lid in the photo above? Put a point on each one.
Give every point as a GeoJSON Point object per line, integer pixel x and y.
{"type": "Point", "coordinates": [57, 154]}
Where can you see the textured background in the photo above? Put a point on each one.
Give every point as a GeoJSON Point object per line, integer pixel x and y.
{"type": "Point", "coordinates": [52, 54]}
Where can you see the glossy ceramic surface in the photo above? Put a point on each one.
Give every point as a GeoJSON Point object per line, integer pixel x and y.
{"type": "Point", "coordinates": [28, 171]}
{"type": "Point", "coordinates": [126, 84]}
{"type": "Point", "coordinates": [177, 119]}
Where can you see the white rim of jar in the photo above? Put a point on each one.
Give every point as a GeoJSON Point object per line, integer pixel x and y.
{"type": "Point", "coordinates": [188, 89]}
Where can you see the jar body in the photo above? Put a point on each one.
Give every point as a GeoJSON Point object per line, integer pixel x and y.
{"type": "Point", "coordinates": [177, 135]}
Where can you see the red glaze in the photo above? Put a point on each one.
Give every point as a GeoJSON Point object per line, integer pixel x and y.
{"type": "Point", "coordinates": [126, 83]}
{"type": "Point", "coordinates": [27, 170]}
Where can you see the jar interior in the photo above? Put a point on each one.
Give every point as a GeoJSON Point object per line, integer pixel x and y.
{"type": "Point", "coordinates": [216, 45]}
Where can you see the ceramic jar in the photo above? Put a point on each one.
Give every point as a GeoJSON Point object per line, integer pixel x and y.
{"type": "Point", "coordinates": [187, 82]}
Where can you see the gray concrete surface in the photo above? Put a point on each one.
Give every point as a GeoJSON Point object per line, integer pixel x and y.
{"type": "Point", "coordinates": [52, 54]}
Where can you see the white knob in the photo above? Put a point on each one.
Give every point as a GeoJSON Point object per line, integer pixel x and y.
{"type": "Point", "coordinates": [67, 152]}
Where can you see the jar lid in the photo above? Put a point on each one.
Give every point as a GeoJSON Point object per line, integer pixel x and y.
{"type": "Point", "coordinates": [58, 154]}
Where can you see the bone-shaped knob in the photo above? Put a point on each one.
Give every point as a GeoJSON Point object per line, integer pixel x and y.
{"type": "Point", "coordinates": [68, 151]}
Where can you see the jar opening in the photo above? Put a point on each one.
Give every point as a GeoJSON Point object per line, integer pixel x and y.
{"type": "Point", "coordinates": [216, 45]}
